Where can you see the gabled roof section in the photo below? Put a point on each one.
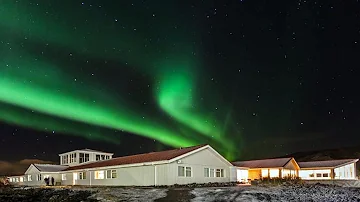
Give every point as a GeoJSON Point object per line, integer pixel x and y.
{"type": "Point", "coordinates": [50, 167]}
{"type": "Point", "coordinates": [92, 150]}
{"type": "Point", "coordinates": [140, 158]}
{"type": "Point", "coordinates": [263, 163]}
{"type": "Point", "coordinates": [86, 150]}
{"type": "Point", "coordinates": [326, 164]}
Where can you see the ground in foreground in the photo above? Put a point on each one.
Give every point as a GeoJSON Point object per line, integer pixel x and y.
{"type": "Point", "coordinates": [315, 192]}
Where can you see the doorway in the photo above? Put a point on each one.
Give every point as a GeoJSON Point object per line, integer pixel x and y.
{"type": "Point", "coordinates": [75, 177]}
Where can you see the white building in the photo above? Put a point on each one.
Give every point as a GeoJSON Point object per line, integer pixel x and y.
{"type": "Point", "coordinates": [197, 164]}
{"type": "Point", "coordinates": [36, 173]}
{"type": "Point", "coordinates": [344, 169]}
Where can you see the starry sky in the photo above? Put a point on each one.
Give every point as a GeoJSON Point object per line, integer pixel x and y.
{"type": "Point", "coordinates": [252, 78]}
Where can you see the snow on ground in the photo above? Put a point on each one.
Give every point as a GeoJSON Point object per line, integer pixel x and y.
{"type": "Point", "coordinates": [128, 194]}
{"type": "Point", "coordinates": [285, 193]}
{"type": "Point", "coordinates": [317, 192]}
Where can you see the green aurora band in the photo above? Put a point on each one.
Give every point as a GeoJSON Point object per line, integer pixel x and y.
{"type": "Point", "coordinates": [172, 67]}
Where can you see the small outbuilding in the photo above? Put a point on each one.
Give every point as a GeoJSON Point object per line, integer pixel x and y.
{"type": "Point", "coordinates": [267, 168]}
{"type": "Point", "coordinates": [326, 170]}
{"type": "Point", "coordinates": [36, 173]}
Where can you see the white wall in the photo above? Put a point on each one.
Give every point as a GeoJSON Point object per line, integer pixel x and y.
{"type": "Point", "coordinates": [198, 161]}
{"type": "Point", "coordinates": [313, 174]}
{"type": "Point", "coordinates": [242, 175]}
{"type": "Point", "coordinates": [346, 172]}
{"type": "Point", "coordinates": [128, 176]}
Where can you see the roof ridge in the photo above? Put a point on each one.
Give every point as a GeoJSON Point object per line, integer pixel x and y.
{"type": "Point", "coordinates": [141, 158]}
{"type": "Point", "coordinates": [266, 159]}
{"type": "Point", "coordinates": [176, 149]}
{"type": "Point", "coordinates": [329, 160]}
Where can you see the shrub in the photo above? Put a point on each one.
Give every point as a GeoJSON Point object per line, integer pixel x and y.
{"type": "Point", "coordinates": [277, 181]}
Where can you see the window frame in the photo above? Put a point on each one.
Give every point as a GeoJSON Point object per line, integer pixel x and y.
{"type": "Point", "coordinates": [63, 176]}
{"type": "Point", "coordinates": [207, 172]}
{"type": "Point", "coordinates": [185, 171]}
{"type": "Point", "coordinates": [96, 174]}
{"type": "Point", "coordinates": [111, 173]}
{"type": "Point", "coordinates": [82, 175]}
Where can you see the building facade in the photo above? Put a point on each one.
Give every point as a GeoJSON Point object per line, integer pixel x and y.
{"type": "Point", "coordinates": [198, 164]}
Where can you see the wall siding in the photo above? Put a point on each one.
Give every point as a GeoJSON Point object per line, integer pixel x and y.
{"type": "Point", "coordinates": [198, 161]}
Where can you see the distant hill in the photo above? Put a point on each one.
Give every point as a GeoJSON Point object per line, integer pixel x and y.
{"type": "Point", "coordinates": [327, 154]}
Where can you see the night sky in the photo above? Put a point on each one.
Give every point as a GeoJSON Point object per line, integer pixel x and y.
{"type": "Point", "coordinates": [252, 78]}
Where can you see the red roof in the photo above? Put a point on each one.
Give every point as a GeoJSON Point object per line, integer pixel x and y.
{"type": "Point", "coordinates": [263, 163]}
{"type": "Point", "coordinates": [326, 164]}
{"type": "Point", "coordinates": [139, 158]}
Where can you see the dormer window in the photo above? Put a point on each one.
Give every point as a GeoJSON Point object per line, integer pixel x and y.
{"type": "Point", "coordinates": [76, 157]}
{"type": "Point", "coordinates": [73, 158]}
{"type": "Point", "coordinates": [83, 157]}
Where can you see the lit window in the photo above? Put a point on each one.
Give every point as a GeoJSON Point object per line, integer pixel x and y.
{"type": "Point", "coordinates": [17, 179]}
{"type": "Point", "coordinates": [184, 171]}
{"type": "Point", "coordinates": [264, 173]}
{"type": "Point", "coordinates": [63, 176]}
{"type": "Point", "coordinates": [21, 179]}
{"type": "Point", "coordinates": [274, 173]}
{"type": "Point", "coordinates": [99, 175]}
{"type": "Point", "coordinates": [29, 178]}
{"type": "Point", "coordinates": [206, 172]}
{"type": "Point", "coordinates": [82, 175]}
{"type": "Point", "coordinates": [10, 179]}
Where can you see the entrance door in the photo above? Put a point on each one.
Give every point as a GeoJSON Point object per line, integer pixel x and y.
{"type": "Point", "coordinates": [75, 177]}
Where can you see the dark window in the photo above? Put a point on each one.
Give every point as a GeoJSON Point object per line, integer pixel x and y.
{"type": "Point", "coordinates": [81, 158]}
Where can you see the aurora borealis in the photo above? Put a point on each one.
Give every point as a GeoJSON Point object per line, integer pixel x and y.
{"type": "Point", "coordinates": [36, 83]}
{"type": "Point", "coordinates": [140, 75]}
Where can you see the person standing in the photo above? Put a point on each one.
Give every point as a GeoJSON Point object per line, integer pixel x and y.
{"type": "Point", "coordinates": [52, 181]}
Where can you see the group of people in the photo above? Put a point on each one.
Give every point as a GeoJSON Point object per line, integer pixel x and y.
{"type": "Point", "coordinates": [47, 181]}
